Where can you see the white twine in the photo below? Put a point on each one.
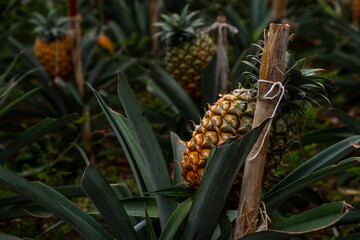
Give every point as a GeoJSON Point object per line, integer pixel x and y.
{"type": "Point", "coordinates": [222, 62]}
{"type": "Point", "coordinates": [267, 97]}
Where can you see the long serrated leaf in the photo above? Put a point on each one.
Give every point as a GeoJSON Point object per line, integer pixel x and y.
{"type": "Point", "coordinates": [327, 135]}
{"type": "Point", "coordinates": [223, 165]}
{"type": "Point", "coordinates": [88, 45]}
{"type": "Point", "coordinates": [117, 30]}
{"type": "Point", "coordinates": [327, 157]}
{"type": "Point", "coordinates": [157, 91]}
{"type": "Point", "coordinates": [11, 84]}
{"type": "Point", "coordinates": [176, 219]}
{"type": "Point", "coordinates": [126, 137]}
{"type": "Point", "coordinates": [51, 228]}
{"type": "Point", "coordinates": [55, 203]}
{"type": "Point", "coordinates": [5, 236]}
{"type": "Point", "coordinates": [349, 121]}
{"type": "Point", "coordinates": [9, 68]}
{"type": "Point", "coordinates": [306, 222]}
{"type": "Point", "coordinates": [19, 99]}
{"type": "Point", "coordinates": [210, 82]}
{"type": "Point", "coordinates": [122, 191]}
{"type": "Point", "coordinates": [178, 147]}
{"type": "Point", "coordinates": [354, 236]}
{"type": "Point", "coordinates": [225, 227]}
{"type": "Point", "coordinates": [33, 133]}
{"type": "Point", "coordinates": [99, 70]}
{"type": "Point", "coordinates": [276, 198]}
{"type": "Point", "coordinates": [141, 17]}
{"type": "Point", "coordinates": [175, 92]}
{"type": "Point", "coordinates": [69, 191]}
{"type": "Point", "coordinates": [108, 204]}
{"type": "Point", "coordinates": [135, 206]}
{"type": "Point", "coordinates": [313, 219]}
{"type": "Point", "coordinates": [127, 17]}
{"type": "Point", "coordinates": [150, 228]}
{"type": "Point", "coordinates": [177, 191]}
{"type": "Point", "coordinates": [352, 217]}
{"type": "Point", "coordinates": [153, 156]}
{"type": "Point", "coordinates": [31, 61]}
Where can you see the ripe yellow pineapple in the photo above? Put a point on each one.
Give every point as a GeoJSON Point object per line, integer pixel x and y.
{"type": "Point", "coordinates": [188, 50]}
{"type": "Point", "coordinates": [52, 47]}
{"type": "Point", "coordinates": [232, 116]}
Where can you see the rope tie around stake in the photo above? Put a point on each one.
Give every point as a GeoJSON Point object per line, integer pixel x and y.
{"type": "Point", "coordinates": [222, 62]}
{"type": "Point", "coordinates": [280, 92]}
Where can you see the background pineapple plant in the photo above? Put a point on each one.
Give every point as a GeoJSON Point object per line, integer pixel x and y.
{"type": "Point", "coordinates": [52, 46]}
{"type": "Point", "coordinates": [188, 50]}
{"type": "Point", "coordinates": [232, 115]}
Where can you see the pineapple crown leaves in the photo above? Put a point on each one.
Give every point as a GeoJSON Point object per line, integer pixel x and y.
{"type": "Point", "coordinates": [176, 29]}
{"type": "Point", "coordinates": [50, 27]}
{"type": "Point", "coordinates": [302, 86]}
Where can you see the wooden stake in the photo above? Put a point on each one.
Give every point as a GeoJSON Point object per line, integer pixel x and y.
{"type": "Point", "coordinates": [154, 12]}
{"type": "Point", "coordinates": [79, 76]}
{"type": "Point", "coordinates": [356, 12]}
{"type": "Point", "coordinates": [279, 7]}
{"type": "Point", "coordinates": [272, 69]}
{"type": "Point", "coordinates": [222, 68]}
{"type": "Point", "coordinates": [76, 39]}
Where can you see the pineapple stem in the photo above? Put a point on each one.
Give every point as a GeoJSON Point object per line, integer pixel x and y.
{"type": "Point", "coordinates": [272, 69]}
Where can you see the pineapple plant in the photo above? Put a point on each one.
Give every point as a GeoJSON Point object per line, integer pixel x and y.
{"type": "Point", "coordinates": [52, 46]}
{"type": "Point", "coordinates": [188, 50]}
{"type": "Point", "coordinates": [232, 115]}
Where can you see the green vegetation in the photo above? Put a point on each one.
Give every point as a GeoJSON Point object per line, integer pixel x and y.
{"type": "Point", "coordinates": [100, 150]}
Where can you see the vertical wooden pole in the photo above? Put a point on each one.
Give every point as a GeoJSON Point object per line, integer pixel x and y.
{"type": "Point", "coordinates": [76, 39]}
{"type": "Point", "coordinates": [222, 66]}
{"type": "Point", "coordinates": [355, 8]}
{"type": "Point", "coordinates": [279, 7]}
{"type": "Point", "coordinates": [272, 69]}
{"type": "Point", "coordinates": [79, 76]}
{"type": "Point", "coordinates": [154, 12]}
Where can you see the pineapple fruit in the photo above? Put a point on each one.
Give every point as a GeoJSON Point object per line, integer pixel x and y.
{"type": "Point", "coordinates": [232, 116]}
{"type": "Point", "coordinates": [52, 47]}
{"type": "Point", "coordinates": [188, 50]}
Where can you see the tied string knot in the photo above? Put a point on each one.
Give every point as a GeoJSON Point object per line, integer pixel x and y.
{"type": "Point", "coordinates": [222, 61]}
{"type": "Point", "coordinates": [280, 92]}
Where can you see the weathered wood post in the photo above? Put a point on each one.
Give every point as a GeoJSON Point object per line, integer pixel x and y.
{"type": "Point", "coordinates": [272, 71]}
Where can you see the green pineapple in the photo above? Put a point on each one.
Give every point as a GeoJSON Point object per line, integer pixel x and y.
{"type": "Point", "coordinates": [188, 50]}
